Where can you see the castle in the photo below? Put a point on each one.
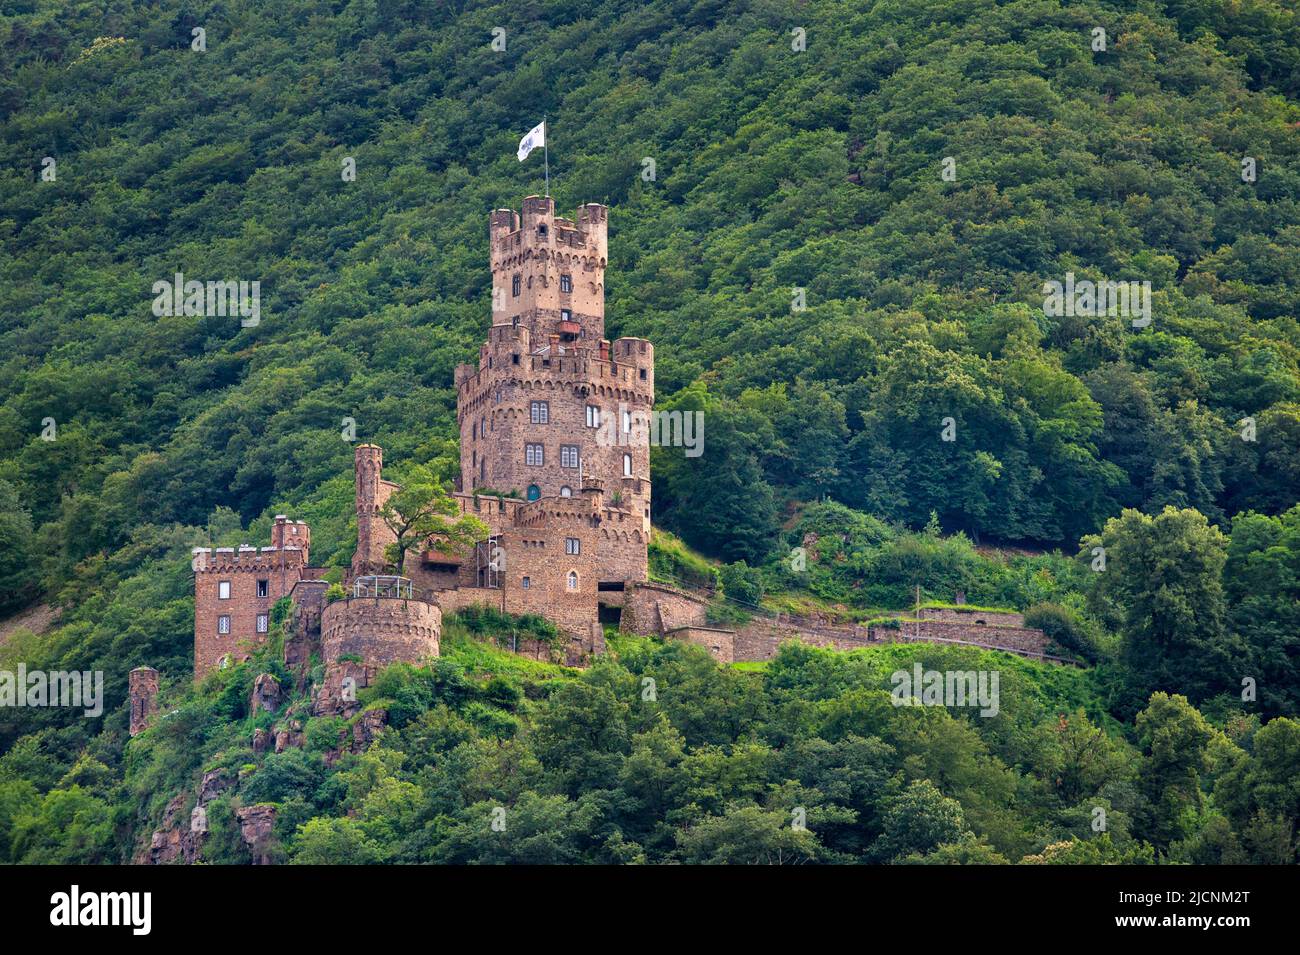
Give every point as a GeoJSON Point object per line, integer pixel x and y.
{"type": "Point", "coordinates": [554, 460]}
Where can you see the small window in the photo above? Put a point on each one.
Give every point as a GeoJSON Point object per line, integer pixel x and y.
{"type": "Point", "coordinates": [627, 422]}
{"type": "Point", "coordinates": [573, 580]}
{"type": "Point", "coordinates": [540, 412]}
{"type": "Point", "coordinates": [627, 465]}
{"type": "Point", "coordinates": [566, 283]}
{"type": "Point", "coordinates": [642, 374]}
{"type": "Point", "coordinates": [566, 315]}
{"type": "Point", "coordinates": [262, 586]}
{"type": "Point", "coordinates": [566, 491]}
{"type": "Point", "coordinates": [514, 285]}
{"type": "Point", "coordinates": [514, 360]}
{"type": "Point", "coordinates": [526, 582]}
{"type": "Point", "coordinates": [569, 456]}
{"type": "Point", "coordinates": [473, 431]}
{"type": "Point", "coordinates": [534, 455]}
{"type": "Point", "coordinates": [223, 624]}
{"type": "Point", "coordinates": [262, 621]}
{"type": "Point", "coordinates": [593, 416]}
{"type": "Point", "coordinates": [541, 230]}
{"type": "Point", "coordinates": [534, 492]}
{"type": "Point", "coordinates": [223, 590]}
{"type": "Point", "coordinates": [572, 545]}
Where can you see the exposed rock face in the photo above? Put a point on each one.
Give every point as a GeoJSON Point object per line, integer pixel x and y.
{"type": "Point", "coordinates": [266, 694]}
{"type": "Point", "coordinates": [365, 731]}
{"type": "Point", "coordinates": [213, 785]}
{"type": "Point", "coordinates": [175, 841]}
{"type": "Point", "coordinates": [261, 740]}
{"type": "Point", "coordinates": [256, 826]}
{"type": "Point", "coordinates": [337, 694]}
{"type": "Point", "coordinates": [288, 735]}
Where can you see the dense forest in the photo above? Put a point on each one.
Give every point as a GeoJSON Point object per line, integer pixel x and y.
{"type": "Point", "coordinates": [835, 221]}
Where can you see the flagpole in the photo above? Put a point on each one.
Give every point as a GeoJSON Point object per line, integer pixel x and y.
{"type": "Point", "coordinates": [546, 157]}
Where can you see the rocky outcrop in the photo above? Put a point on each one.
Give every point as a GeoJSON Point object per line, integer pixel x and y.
{"type": "Point", "coordinates": [289, 735]}
{"type": "Point", "coordinates": [367, 728]}
{"type": "Point", "coordinates": [257, 829]}
{"type": "Point", "coordinates": [337, 694]}
{"type": "Point", "coordinates": [177, 841]}
{"type": "Point", "coordinates": [266, 694]}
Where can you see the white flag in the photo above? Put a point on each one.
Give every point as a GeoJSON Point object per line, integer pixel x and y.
{"type": "Point", "coordinates": [536, 137]}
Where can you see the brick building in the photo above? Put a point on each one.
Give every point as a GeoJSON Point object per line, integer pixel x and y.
{"type": "Point", "coordinates": [235, 588]}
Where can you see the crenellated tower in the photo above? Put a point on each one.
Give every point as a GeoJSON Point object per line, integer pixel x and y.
{"type": "Point", "coordinates": [552, 403]}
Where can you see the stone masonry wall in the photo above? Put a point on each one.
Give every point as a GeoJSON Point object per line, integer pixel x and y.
{"type": "Point", "coordinates": [143, 693]}
{"type": "Point", "coordinates": [381, 630]}
{"type": "Point", "coordinates": [655, 609]}
{"type": "Point", "coordinates": [1022, 640]}
{"type": "Point", "coordinates": [971, 617]}
{"type": "Point", "coordinates": [719, 643]}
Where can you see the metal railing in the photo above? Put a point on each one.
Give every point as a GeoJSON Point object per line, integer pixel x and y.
{"type": "Point", "coordinates": [382, 585]}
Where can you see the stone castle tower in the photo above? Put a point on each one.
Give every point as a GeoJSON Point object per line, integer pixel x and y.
{"type": "Point", "coordinates": [553, 405]}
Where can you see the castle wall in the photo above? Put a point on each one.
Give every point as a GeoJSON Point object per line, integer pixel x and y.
{"type": "Point", "coordinates": [971, 617]}
{"type": "Point", "coordinates": [656, 609]}
{"type": "Point", "coordinates": [380, 630]}
{"type": "Point", "coordinates": [719, 643]}
{"type": "Point", "coordinates": [495, 408]}
{"type": "Point", "coordinates": [1022, 640]}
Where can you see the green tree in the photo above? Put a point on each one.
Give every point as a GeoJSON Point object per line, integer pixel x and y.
{"type": "Point", "coordinates": [423, 509]}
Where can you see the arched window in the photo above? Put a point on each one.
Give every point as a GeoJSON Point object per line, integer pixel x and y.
{"type": "Point", "coordinates": [566, 491]}
{"type": "Point", "coordinates": [573, 580]}
{"type": "Point", "coordinates": [534, 492]}
{"type": "Point", "coordinates": [627, 465]}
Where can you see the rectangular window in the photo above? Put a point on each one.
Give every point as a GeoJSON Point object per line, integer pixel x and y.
{"type": "Point", "coordinates": [540, 412]}
{"type": "Point", "coordinates": [534, 456]}
{"type": "Point", "coordinates": [569, 455]}
{"type": "Point", "coordinates": [527, 582]}
{"type": "Point", "coordinates": [223, 624]}
{"type": "Point", "coordinates": [262, 587]}
{"type": "Point", "coordinates": [593, 416]}
{"type": "Point", "coordinates": [627, 465]}
{"type": "Point", "coordinates": [262, 621]}
{"type": "Point", "coordinates": [566, 315]}
{"type": "Point", "coordinates": [627, 422]}
{"type": "Point", "coordinates": [572, 545]}
{"type": "Point", "coordinates": [514, 285]}
{"type": "Point", "coordinates": [223, 590]}
{"type": "Point", "coordinates": [566, 283]}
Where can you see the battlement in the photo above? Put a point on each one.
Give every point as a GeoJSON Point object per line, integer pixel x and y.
{"type": "Point", "coordinates": [247, 559]}
{"type": "Point", "coordinates": [548, 273]}
{"type": "Point", "coordinates": [381, 629]}
{"type": "Point", "coordinates": [538, 228]}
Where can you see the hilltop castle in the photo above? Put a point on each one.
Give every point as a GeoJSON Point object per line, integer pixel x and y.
{"type": "Point", "coordinates": [553, 459]}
